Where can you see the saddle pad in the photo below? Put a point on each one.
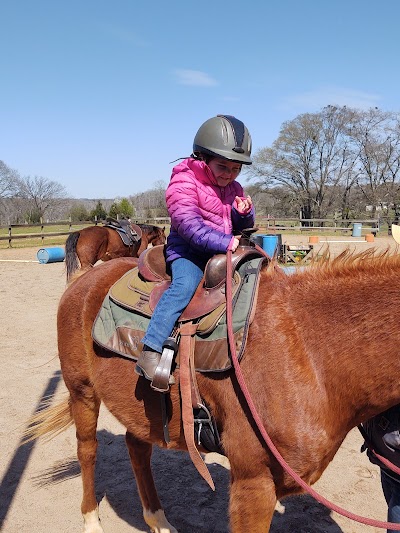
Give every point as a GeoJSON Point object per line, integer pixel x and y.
{"type": "Point", "coordinates": [120, 330]}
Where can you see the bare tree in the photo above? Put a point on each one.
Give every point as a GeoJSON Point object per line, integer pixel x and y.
{"type": "Point", "coordinates": [8, 186]}
{"type": "Point", "coordinates": [151, 203]}
{"type": "Point", "coordinates": [8, 180]}
{"type": "Point", "coordinates": [312, 156]}
{"type": "Point", "coordinates": [377, 136]}
{"type": "Point", "coordinates": [42, 195]}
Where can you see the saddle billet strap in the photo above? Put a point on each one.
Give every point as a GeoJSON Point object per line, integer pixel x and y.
{"type": "Point", "coordinates": [187, 332]}
{"type": "Point", "coordinates": [196, 398]}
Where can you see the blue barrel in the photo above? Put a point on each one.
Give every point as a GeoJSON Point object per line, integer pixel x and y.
{"type": "Point", "coordinates": [270, 244]}
{"type": "Point", "coordinates": [51, 255]}
{"type": "Point", "coordinates": [356, 230]}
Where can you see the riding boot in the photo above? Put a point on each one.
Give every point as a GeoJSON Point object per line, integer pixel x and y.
{"type": "Point", "coordinates": [147, 363]}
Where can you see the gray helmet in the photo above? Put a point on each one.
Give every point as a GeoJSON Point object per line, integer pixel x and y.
{"type": "Point", "coordinates": [226, 137]}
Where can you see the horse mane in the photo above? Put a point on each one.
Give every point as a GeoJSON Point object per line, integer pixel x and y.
{"type": "Point", "coordinates": [347, 264]}
{"type": "Point", "coordinates": [149, 227]}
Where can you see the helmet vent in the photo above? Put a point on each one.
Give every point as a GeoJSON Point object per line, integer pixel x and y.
{"type": "Point", "coordinates": [238, 132]}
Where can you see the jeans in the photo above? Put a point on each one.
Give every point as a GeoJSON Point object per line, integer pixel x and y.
{"type": "Point", "coordinates": [391, 491]}
{"type": "Point", "coordinates": [186, 276]}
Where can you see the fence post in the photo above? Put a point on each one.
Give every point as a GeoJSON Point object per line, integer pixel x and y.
{"type": "Point", "coordinates": [9, 237]}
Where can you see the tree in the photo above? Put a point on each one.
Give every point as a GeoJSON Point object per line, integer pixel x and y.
{"type": "Point", "coordinates": [114, 211]}
{"type": "Point", "coordinates": [125, 208]}
{"type": "Point", "coordinates": [377, 136]}
{"type": "Point", "coordinates": [151, 203]}
{"type": "Point", "coordinates": [8, 181]}
{"type": "Point", "coordinates": [78, 213]}
{"type": "Point", "coordinates": [41, 194]}
{"type": "Point", "coordinates": [121, 209]}
{"type": "Point", "coordinates": [98, 213]}
{"type": "Point", "coordinates": [312, 156]}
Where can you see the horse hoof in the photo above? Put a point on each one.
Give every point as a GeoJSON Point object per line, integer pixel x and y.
{"type": "Point", "coordinates": [92, 522]}
{"type": "Point", "coordinates": [158, 522]}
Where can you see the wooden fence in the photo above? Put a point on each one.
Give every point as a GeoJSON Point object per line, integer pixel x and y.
{"type": "Point", "coordinates": [311, 224]}
{"type": "Point", "coordinates": [265, 224]}
{"type": "Point", "coordinates": [14, 230]}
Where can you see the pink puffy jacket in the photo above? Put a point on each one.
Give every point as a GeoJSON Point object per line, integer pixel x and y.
{"type": "Point", "coordinates": [202, 215]}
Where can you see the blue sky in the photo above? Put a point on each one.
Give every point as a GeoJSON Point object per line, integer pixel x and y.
{"type": "Point", "coordinates": [101, 96]}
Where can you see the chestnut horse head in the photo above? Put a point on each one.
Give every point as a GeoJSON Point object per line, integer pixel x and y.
{"type": "Point", "coordinates": [85, 247]}
{"type": "Point", "coordinates": [322, 356]}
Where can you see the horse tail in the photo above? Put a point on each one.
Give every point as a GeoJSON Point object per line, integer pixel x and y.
{"type": "Point", "coordinates": [71, 257]}
{"type": "Point", "coordinates": [50, 421]}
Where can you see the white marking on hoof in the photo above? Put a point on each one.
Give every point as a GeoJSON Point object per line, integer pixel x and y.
{"type": "Point", "coordinates": [157, 522]}
{"type": "Point", "coordinates": [91, 522]}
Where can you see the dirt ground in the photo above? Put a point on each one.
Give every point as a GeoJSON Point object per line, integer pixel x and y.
{"type": "Point", "coordinates": [40, 484]}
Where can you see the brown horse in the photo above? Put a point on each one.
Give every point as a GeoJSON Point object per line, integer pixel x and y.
{"type": "Point", "coordinates": [322, 356]}
{"type": "Point", "coordinates": [85, 247]}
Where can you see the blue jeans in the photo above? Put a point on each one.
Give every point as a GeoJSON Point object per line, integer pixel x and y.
{"type": "Point", "coordinates": [391, 491]}
{"type": "Point", "coordinates": [186, 276]}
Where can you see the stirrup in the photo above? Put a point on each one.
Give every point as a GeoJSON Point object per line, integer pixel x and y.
{"type": "Point", "coordinates": [162, 376]}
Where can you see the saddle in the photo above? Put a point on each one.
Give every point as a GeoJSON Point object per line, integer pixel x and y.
{"type": "Point", "coordinates": [141, 289]}
{"type": "Point", "coordinates": [126, 311]}
{"type": "Point", "coordinates": [130, 233]}
{"type": "Point", "coordinates": [201, 328]}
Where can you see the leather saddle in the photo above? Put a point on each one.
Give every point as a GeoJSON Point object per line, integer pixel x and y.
{"type": "Point", "coordinates": [130, 233]}
{"type": "Point", "coordinates": [141, 289]}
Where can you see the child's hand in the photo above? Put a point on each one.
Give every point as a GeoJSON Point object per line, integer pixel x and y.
{"type": "Point", "coordinates": [243, 205]}
{"type": "Point", "coordinates": [233, 244]}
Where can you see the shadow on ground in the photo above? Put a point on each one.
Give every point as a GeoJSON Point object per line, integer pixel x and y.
{"type": "Point", "coordinates": [188, 502]}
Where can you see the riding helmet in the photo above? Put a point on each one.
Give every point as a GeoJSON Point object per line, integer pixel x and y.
{"type": "Point", "coordinates": [224, 136]}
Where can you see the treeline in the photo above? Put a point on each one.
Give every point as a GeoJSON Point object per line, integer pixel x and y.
{"type": "Point", "coordinates": [339, 162]}
{"type": "Point", "coordinates": [34, 199]}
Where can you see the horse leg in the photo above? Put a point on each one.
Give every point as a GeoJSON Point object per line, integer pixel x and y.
{"type": "Point", "coordinates": [252, 504]}
{"type": "Point", "coordinates": [153, 514]}
{"type": "Point", "coordinates": [85, 410]}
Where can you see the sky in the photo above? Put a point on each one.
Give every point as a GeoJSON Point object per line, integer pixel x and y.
{"type": "Point", "coordinates": [101, 96]}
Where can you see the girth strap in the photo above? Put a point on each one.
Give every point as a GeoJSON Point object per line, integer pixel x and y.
{"type": "Point", "coordinates": [187, 331]}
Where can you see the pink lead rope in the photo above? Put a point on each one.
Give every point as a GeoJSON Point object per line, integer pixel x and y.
{"type": "Point", "coordinates": [257, 419]}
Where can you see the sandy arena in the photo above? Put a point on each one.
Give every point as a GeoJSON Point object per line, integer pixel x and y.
{"type": "Point", "coordinates": [40, 484]}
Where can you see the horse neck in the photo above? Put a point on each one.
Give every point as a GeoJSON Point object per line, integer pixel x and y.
{"type": "Point", "coordinates": [330, 346]}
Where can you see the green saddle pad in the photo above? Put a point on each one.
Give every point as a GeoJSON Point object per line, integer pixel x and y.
{"type": "Point", "coordinates": [120, 330]}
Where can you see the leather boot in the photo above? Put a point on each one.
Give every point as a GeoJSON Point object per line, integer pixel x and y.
{"type": "Point", "coordinates": [147, 363]}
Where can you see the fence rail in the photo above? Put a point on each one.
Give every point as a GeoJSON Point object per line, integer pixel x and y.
{"type": "Point", "coordinates": [263, 223]}
{"type": "Point", "coordinates": [311, 224]}
{"type": "Point", "coordinates": [43, 234]}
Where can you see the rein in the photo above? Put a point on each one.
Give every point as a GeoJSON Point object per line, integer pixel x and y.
{"type": "Point", "coordinates": [258, 421]}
